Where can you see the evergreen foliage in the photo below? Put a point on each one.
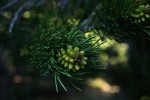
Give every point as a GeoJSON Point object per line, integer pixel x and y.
{"type": "Point", "coordinates": [117, 19]}
{"type": "Point", "coordinates": [61, 39]}
{"type": "Point", "coordinates": [54, 46]}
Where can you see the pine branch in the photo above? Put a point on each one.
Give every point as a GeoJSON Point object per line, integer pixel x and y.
{"type": "Point", "coordinates": [27, 5]}
{"type": "Point", "coordinates": [64, 52]}
{"type": "Point", "coordinates": [6, 6]}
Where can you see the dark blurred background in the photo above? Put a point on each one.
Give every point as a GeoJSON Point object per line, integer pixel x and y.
{"type": "Point", "coordinates": [127, 73]}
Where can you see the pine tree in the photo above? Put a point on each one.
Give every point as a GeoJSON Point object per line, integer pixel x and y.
{"type": "Point", "coordinates": [61, 41]}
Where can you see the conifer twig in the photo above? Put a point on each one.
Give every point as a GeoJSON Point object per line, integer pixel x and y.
{"type": "Point", "coordinates": [27, 5]}
{"type": "Point", "coordinates": [12, 2]}
{"type": "Point", "coordinates": [85, 23]}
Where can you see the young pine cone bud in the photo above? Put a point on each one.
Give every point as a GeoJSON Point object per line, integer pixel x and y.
{"type": "Point", "coordinates": [141, 14]}
{"type": "Point", "coordinates": [72, 58]}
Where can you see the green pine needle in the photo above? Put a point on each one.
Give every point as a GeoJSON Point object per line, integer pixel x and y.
{"type": "Point", "coordinates": [61, 83]}
{"type": "Point", "coordinates": [56, 82]}
{"type": "Point", "coordinates": [75, 86]}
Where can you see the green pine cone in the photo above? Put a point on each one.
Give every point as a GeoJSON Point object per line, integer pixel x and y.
{"type": "Point", "coordinates": [141, 14]}
{"type": "Point", "coordinates": [72, 58]}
